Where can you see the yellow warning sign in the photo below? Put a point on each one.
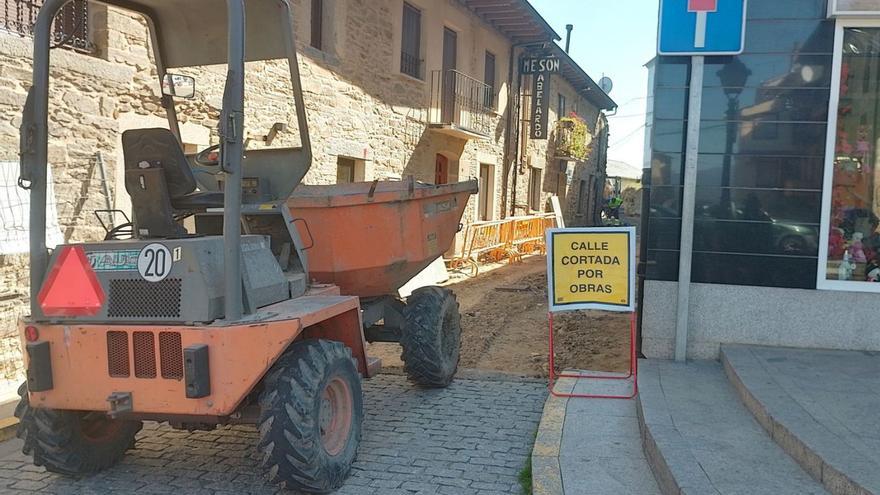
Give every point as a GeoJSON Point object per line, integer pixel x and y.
{"type": "Point", "coordinates": [591, 268]}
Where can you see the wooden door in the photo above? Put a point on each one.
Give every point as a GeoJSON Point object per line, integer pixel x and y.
{"type": "Point", "coordinates": [441, 170]}
{"type": "Point", "coordinates": [484, 206]}
{"type": "Point", "coordinates": [450, 63]}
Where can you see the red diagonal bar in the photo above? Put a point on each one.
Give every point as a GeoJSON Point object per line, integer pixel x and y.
{"type": "Point", "coordinates": [702, 5]}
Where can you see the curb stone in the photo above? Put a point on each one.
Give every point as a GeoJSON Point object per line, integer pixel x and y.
{"type": "Point", "coordinates": [546, 472]}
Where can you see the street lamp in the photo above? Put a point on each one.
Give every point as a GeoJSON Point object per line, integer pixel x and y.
{"type": "Point", "coordinates": [733, 78]}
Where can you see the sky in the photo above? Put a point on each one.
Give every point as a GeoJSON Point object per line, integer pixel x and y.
{"type": "Point", "coordinates": [614, 38]}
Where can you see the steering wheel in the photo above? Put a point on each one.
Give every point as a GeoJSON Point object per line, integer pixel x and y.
{"type": "Point", "coordinates": [209, 157]}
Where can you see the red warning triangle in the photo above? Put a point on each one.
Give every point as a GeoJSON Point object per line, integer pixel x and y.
{"type": "Point", "coordinates": [72, 288]}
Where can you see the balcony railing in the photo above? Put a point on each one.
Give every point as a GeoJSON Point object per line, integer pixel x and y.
{"type": "Point", "coordinates": [70, 29]}
{"type": "Point", "coordinates": [460, 103]}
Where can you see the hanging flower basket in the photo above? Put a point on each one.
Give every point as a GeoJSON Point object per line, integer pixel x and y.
{"type": "Point", "coordinates": [573, 138]}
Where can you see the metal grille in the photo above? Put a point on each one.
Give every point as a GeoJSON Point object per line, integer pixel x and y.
{"type": "Point", "coordinates": [171, 355]}
{"type": "Point", "coordinates": [70, 29]}
{"type": "Point", "coordinates": [117, 355]}
{"type": "Point", "coordinates": [137, 298]}
{"type": "Point", "coordinates": [144, 354]}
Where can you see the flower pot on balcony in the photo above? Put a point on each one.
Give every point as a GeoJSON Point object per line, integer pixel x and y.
{"type": "Point", "coordinates": [572, 139]}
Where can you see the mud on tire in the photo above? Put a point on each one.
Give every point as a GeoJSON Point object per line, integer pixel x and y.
{"type": "Point", "coordinates": [72, 443]}
{"type": "Point", "coordinates": [431, 338]}
{"type": "Point", "coordinates": [311, 415]}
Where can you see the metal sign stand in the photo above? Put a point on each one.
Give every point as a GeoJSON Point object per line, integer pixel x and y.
{"type": "Point", "coordinates": [573, 276]}
{"type": "Point", "coordinates": [632, 374]}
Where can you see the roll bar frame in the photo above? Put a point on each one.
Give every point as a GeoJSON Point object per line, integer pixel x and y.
{"type": "Point", "coordinates": [35, 135]}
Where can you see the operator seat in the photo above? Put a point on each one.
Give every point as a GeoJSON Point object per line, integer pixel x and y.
{"type": "Point", "coordinates": [160, 183]}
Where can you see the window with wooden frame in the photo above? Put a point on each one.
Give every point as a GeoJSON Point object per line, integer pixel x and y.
{"type": "Point", "coordinates": [411, 42]}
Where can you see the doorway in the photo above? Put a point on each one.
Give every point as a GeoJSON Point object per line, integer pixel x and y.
{"type": "Point", "coordinates": [450, 63]}
{"type": "Point", "coordinates": [441, 170]}
{"type": "Point", "coordinates": [486, 206]}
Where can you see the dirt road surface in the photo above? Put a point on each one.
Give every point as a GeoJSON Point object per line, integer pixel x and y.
{"type": "Point", "coordinates": [504, 324]}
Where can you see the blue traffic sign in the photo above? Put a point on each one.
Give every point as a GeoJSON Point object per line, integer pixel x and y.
{"type": "Point", "coordinates": [702, 27]}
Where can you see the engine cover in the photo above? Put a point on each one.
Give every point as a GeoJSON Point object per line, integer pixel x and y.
{"type": "Point", "coordinates": [174, 280]}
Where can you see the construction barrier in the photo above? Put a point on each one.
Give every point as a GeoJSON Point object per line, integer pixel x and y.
{"type": "Point", "coordinates": [497, 240]}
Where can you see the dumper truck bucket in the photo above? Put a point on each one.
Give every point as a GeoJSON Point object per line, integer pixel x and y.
{"type": "Point", "coordinates": [370, 238]}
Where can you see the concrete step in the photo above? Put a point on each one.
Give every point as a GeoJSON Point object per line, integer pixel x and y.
{"type": "Point", "coordinates": [700, 440]}
{"type": "Point", "coordinates": [820, 406]}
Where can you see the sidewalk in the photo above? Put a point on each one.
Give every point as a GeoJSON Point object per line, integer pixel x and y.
{"type": "Point", "coordinates": [8, 400]}
{"type": "Point", "coordinates": [590, 446]}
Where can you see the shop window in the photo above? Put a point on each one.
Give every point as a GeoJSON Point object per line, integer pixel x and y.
{"type": "Point", "coordinates": [349, 170]}
{"type": "Point", "coordinates": [70, 29]}
{"type": "Point", "coordinates": [411, 42]}
{"type": "Point", "coordinates": [850, 258]}
{"type": "Point", "coordinates": [535, 189]}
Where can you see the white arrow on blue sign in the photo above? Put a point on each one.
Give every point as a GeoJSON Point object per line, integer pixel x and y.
{"type": "Point", "coordinates": [702, 27]}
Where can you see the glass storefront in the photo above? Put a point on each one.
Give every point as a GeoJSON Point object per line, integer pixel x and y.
{"type": "Point", "coordinates": [853, 215]}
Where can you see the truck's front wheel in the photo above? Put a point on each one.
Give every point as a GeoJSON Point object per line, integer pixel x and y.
{"type": "Point", "coordinates": [72, 443]}
{"type": "Point", "coordinates": [311, 417]}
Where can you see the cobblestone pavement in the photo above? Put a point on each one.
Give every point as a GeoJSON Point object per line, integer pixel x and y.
{"type": "Point", "coordinates": [471, 438]}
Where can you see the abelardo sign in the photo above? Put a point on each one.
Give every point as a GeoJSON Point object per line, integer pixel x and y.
{"type": "Point", "coordinates": [591, 268]}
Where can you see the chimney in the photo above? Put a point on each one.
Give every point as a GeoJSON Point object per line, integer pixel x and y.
{"type": "Point", "coordinates": [568, 28]}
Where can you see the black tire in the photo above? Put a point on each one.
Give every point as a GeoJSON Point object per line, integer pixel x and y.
{"type": "Point", "coordinates": [431, 339]}
{"type": "Point", "coordinates": [296, 451]}
{"type": "Point", "coordinates": [72, 443]}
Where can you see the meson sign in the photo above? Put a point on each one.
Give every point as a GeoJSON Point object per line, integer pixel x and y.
{"type": "Point", "coordinates": [539, 64]}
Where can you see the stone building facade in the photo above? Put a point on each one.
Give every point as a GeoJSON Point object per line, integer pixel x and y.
{"type": "Point", "coordinates": [370, 117]}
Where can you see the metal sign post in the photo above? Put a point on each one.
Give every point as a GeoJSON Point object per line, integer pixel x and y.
{"type": "Point", "coordinates": [592, 268]}
{"type": "Point", "coordinates": [696, 28]}
{"type": "Point", "coordinates": [688, 202]}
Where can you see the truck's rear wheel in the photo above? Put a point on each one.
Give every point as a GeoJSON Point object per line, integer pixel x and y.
{"type": "Point", "coordinates": [72, 443]}
{"type": "Point", "coordinates": [431, 338]}
{"type": "Point", "coordinates": [311, 417]}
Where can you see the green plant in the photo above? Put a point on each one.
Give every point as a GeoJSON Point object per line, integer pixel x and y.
{"type": "Point", "coordinates": [525, 477]}
{"type": "Point", "coordinates": [573, 137]}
